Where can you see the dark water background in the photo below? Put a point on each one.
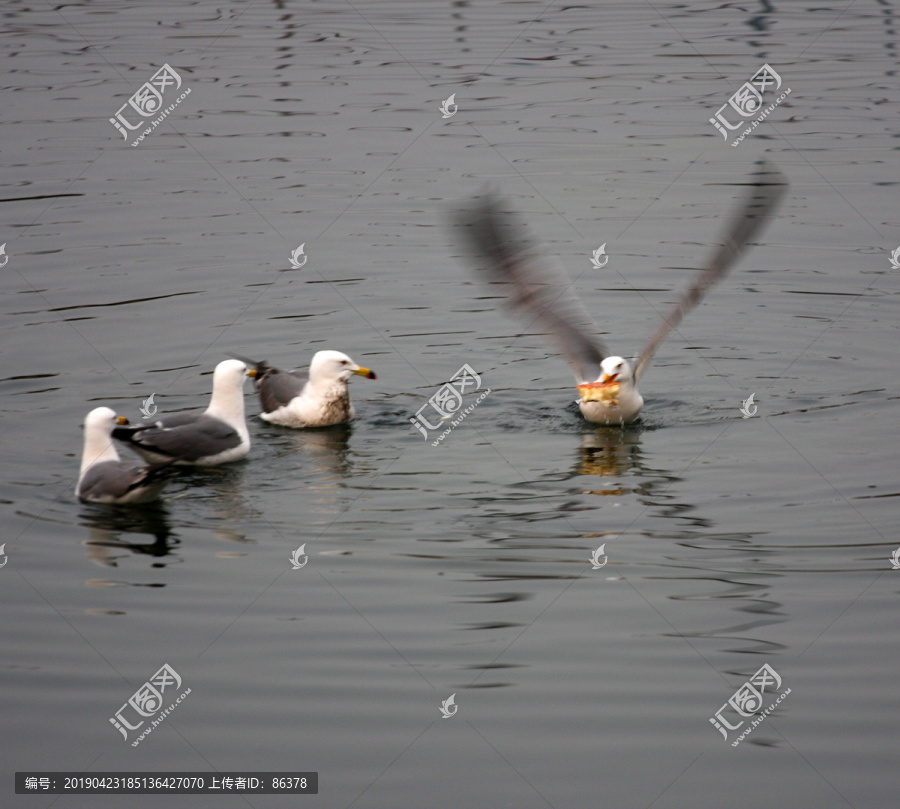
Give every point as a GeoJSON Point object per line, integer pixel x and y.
{"type": "Point", "coordinates": [464, 568]}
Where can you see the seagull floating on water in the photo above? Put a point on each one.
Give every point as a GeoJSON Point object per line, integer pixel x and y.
{"type": "Point", "coordinates": [106, 479]}
{"type": "Point", "coordinates": [607, 384]}
{"type": "Point", "coordinates": [317, 398]}
{"type": "Point", "coordinates": [216, 436]}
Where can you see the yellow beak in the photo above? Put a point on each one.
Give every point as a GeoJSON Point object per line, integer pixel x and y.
{"type": "Point", "coordinates": [365, 372]}
{"type": "Point", "coordinates": [122, 420]}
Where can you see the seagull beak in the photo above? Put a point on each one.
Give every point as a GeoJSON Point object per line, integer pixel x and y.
{"type": "Point", "coordinates": [253, 373]}
{"type": "Point", "coordinates": [608, 379]}
{"type": "Point", "coordinates": [365, 372]}
{"type": "Point", "coordinates": [121, 420]}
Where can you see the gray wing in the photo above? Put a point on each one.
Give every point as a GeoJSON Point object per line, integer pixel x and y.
{"type": "Point", "coordinates": [182, 436]}
{"type": "Point", "coordinates": [117, 478]}
{"type": "Point", "coordinates": [277, 388]}
{"type": "Point", "coordinates": [760, 202]}
{"type": "Point", "coordinates": [537, 289]}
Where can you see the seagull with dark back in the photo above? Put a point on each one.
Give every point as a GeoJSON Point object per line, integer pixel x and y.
{"type": "Point", "coordinates": [319, 397]}
{"type": "Point", "coordinates": [104, 478]}
{"type": "Point", "coordinates": [216, 436]}
{"type": "Point", "coordinates": [542, 292]}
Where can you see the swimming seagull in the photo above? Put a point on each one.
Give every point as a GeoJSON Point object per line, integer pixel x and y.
{"type": "Point", "coordinates": [106, 479]}
{"type": "Point", "coordinates": [317, 398]}
{"type": "Point", "coordinates": [607, 384]}
{"type": "Point", "coordinates": [216, 436]}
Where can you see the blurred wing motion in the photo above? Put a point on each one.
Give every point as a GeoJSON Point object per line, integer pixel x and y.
{"type": "Point", "coordinates": [766, 191]}
{"type": "Point", "coordinates": [537, 289]}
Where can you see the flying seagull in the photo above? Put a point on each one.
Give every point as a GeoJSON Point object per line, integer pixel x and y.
{"type": "Point", "coordinates": [106, 479]}
{"type": "Point", "coordinates": [317, 398]}
{"type": "Point", "coordinates": [542, 292]}
{"type": "Point", "coordinates": [216, 436]}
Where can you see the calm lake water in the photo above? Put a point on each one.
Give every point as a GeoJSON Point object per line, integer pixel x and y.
{"type": "Point", "coordinates": [465, 568]}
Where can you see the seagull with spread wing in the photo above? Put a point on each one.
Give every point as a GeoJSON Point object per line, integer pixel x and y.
{"type": "Point", "coordinates": [607, 384]}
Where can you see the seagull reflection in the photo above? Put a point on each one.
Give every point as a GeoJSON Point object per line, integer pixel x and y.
{"type": "Point", "coordinates": [327, 449]}
{"type": "Point", "coordinates": [106, 524]}
{"type": "Point", "coordinates": [610, 453]}
{"type": "Point", "coordinates": [222, 488]}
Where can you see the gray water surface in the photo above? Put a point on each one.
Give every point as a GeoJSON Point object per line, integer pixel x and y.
{"type": "Point", "coordinates": [462, 568]}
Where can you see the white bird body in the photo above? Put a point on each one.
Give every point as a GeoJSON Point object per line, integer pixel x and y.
{"type": "Point", "coordinates": [103, 477]}
{"type": "Point", "coordinates": [216, 436]}
{"type": "Point", "coordinates": [614, 398]}
{"type": "Point", "coordinates": [317, 398]}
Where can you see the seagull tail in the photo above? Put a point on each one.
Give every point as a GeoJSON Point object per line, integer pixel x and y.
{"type": "Point", "coordinates": [156, 473]}
{"type": "Point", "coordinates": [260, 366]}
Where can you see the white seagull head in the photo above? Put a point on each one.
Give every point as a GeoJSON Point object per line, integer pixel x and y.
{"type": "Point", "coordinates": [229, 375]}
{"type": "Point", "coordinates": [335, 366]}
{"type": "Point", "coordinates": [98, 443]}
{"type": "Point", "coordinates": [101, 421]}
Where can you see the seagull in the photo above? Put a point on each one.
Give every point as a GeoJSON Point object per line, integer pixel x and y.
{"type": "Point", "coordinates": [318, 398]}
{"type": "Point", "coordinates": [607, 383]}
{"type": "Point", "coordinates": [106, 479]}
{"type": "Point", "coordinates": [218, 435]}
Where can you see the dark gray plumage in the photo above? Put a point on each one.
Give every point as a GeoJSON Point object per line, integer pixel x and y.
{"type": "Point", "coordinates": [317, 398]}
{"type": "Point", "coordinates": [759, 203]}
{"type": "Point", "coordinates": [539, 289]}
{"type": "Point", "coordinates": [104, 478]}
{"type": "Point", "coordinates": [218, 435]}
{"type": "Point", "coordinates": [123, 482]}
{"type": "Point", "coordinates": [276, 388]}
{"type": "Point", "coordinates": [181, 436]}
